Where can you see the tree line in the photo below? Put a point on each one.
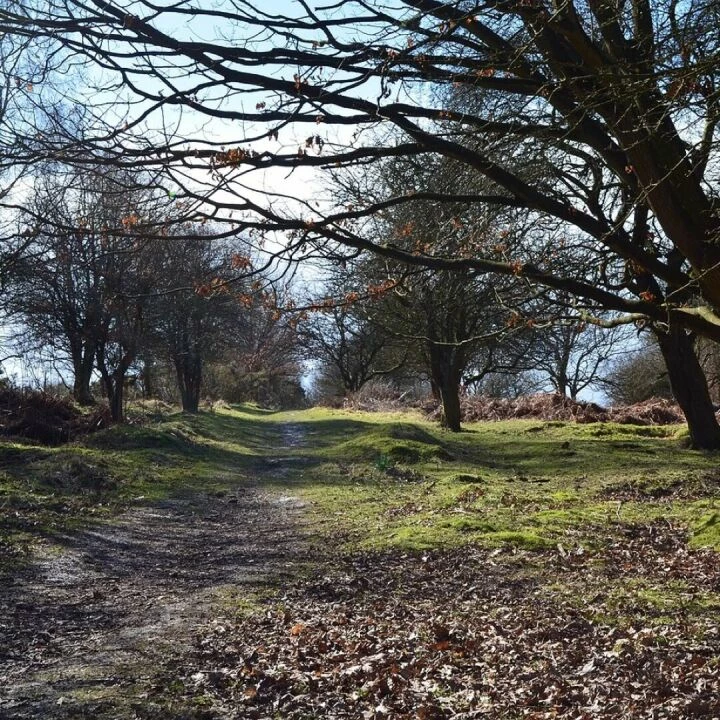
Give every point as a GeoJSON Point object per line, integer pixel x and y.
{"type": "Point", "coordinates": [113, 287]}
{"type": "Point", "coordinates": [554, 152]}
{"type": "Point", "coordinates": [110, 284]}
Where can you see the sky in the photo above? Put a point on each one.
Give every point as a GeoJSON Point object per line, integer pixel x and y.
{"type": "Point", "coordinates": [303, 183]}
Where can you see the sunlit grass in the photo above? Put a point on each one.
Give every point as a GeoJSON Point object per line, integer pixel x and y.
{"type": "Point", "coordinates": [377, 480]}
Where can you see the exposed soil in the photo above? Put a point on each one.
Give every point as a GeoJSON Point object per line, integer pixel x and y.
{"type": "Point", "coordinates": [87, 625]}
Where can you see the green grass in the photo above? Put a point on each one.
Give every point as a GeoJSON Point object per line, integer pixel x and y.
{"type": "Point", "coordinates": [377, 480]}
{"type": "Point", "coordinates": [395, 480]}
{"type": "Point", "coordinates": [706, 531]}
{"type": "Point", "coordinates": [551, 502]}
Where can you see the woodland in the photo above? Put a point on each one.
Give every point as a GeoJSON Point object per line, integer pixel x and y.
{"type": "Point", "coordinates": [359, 359]}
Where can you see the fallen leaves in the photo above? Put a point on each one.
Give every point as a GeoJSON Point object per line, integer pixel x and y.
{"type": "Point", "coordinates": [473, 633]}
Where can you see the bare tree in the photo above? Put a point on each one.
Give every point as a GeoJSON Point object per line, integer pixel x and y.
{"type": "Point", "coordinates": [62, 281]}
{"type": "Point", "coordinates": [342, 334]}
{"type": "Point", "coordinates": [82, 286]}
{"type": "Point", "coordinates": [615, 104]}
{"type": "Point", "coordinates": [461, 325]}
{"type": "Point", "coordinates": [24, 64]}
{"type": "Point", "coordinates": [193, 311]}
{"type": "Point", "coordinates": [573, 355]}
{"type": "Point", "coordinates": [266, 353]}
{"type": "Point", "coordinates": [638, 376]}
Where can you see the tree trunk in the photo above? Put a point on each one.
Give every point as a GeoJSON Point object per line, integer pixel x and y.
{"type": "Point", "coordinates": [451, 414]}
{"type": "Point", "coordinates": [690, 388]}
{"type": "Point", "coordinates": [115, 396]}
{"type": "Point", "coordinates": [114, 387]}
{"type": "Point", "coordinates": [148, 380]}
{"type": "Point", "coordinates": [82, 376]}
{"type": "Point", "coordinates": [81, 390]}
{"type": "Point", "coordinates": [562, 385]}
{"type": "Point", "coordinates": [190, 398]}
{"type": "Point", "coordinates": [446, 379]}
{"type": "Point", "coordinates": [188, 368]}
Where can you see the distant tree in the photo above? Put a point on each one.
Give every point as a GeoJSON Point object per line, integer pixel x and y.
{"type": "Point", "coordinates": [342, 336]}
{"type": "Point", "coordinates": [55, 294]}
{"type": "Point", "coordinates": [269, 357]}
{"type": "Point", "coordinates": [349, 346]}
{"type": "Point", "coordinates": [460, 324]}
{"type": "Point", "coordinates": [82, 286]}
{"type": "Point", "coordinates": [638, 376]}
{"type": "Point", "coordinates": [449, 327]}
{"type": "Point", "coordinates": [572, 355]}
{"type": "Point", "coordinates": [195, 307]}
{"type": "Point", "coordinates": [128, 284]}
{"type": "Point", "coordinates": [450, 315]}
{"type": "Point", "coordinates": [261, 358]}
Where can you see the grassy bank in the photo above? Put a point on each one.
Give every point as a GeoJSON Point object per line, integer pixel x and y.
{"type": "Point", "coordinates": [376, 481]}
{"type": "Point", "coordinates": [383, 480]}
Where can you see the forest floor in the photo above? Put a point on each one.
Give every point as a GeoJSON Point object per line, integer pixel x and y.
{"type": "Point", "coordinates": [317, 564]}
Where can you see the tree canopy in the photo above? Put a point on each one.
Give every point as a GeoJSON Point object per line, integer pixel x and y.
{"type": "Point", "coordinates": [616, 104]}
{"type": "Point", "coordinates": [594, 121]}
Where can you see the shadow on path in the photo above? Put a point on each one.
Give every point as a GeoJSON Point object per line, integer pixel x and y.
{"type": "Point", "coordinates": [85, 624]}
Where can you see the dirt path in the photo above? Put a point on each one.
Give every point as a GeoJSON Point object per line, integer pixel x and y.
{"type": "Point", "coordinates": [83, 629]}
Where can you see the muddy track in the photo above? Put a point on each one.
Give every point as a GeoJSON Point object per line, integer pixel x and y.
{"type": "Point", "coordinates": [84, 628]}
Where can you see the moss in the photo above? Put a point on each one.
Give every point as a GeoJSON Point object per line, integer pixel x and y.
{"type": "Point", "coordinates": [515, 480]}
{"type": "Point", "coordinates": [706, 531]}
{"type": "Point", "coordinates": [414, 538]}
{"type": "Point", "coordinates": [421, 533]}
{"type": "Point", "coordinates": [398, 442]}
{"type": "Point", "coordinates": [462, 478]}
{"type": "Point", "coordinates": [553, 521]}
{"type": "Point", "coordinates": [465, 524]}
{"type": "Point", "coordinates": [238, 600]}
{"type": "Point", "coordinates": [657, 604]}
{"type": "Point", "coordinates": [565, 496]}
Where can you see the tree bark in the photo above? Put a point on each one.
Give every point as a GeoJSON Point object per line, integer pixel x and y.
{"type": "Point", "coordinates": [451, 413]}
{"type": "Point", "coordinates": [446, 378]}
{"type": "Point", "coordinates": [116, 397]}
{"type": "Point", "coordinates": [81, 389]}
{"type": "Point", "coordinates": [190, 397]}
{"type": "Point", "coordinates": [188, 368]}
{"type": "Point", "coordinates": [82, 376]}
{"type": "Point", "coordinates": [148, 380]}
{"type": "Point", "coordinates": [689, 386]}
{"type": "Point", "coordinates": [114, 385]}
